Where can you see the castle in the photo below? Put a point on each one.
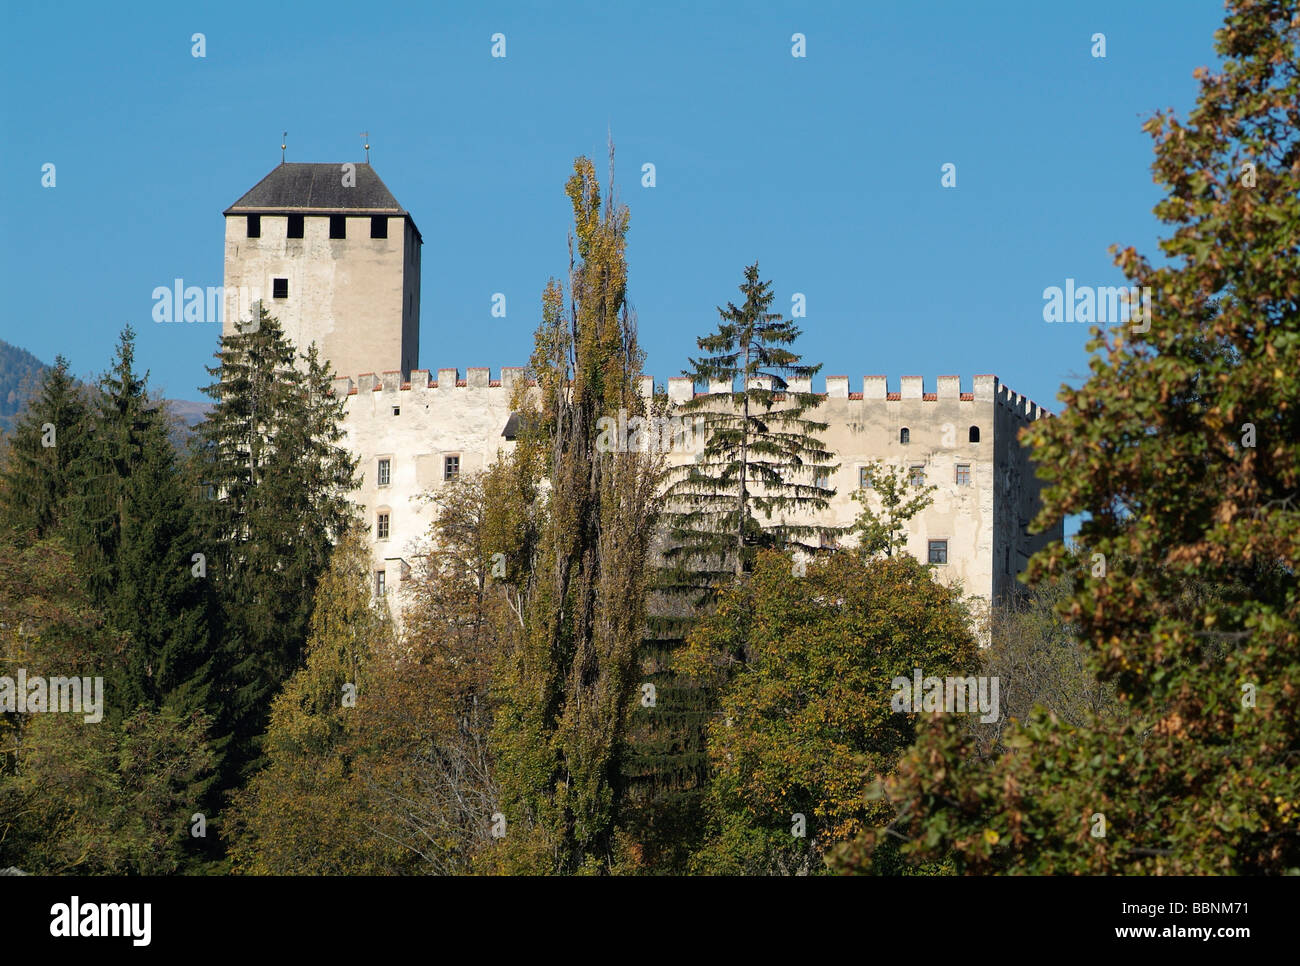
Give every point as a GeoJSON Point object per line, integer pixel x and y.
{"type": "Point", "coordinates": [336, 259]}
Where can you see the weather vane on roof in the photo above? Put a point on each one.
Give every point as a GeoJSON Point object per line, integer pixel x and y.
{"type": "Point", "coordinates": [284, 144]}
{"type": "Point", "coordinates": [366, 135]}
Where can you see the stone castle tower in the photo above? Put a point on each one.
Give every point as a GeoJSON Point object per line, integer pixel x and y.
{"type": "Point", "coordinates": [343, 269]}
{"type": "Point", "coordinates": [335, 258]}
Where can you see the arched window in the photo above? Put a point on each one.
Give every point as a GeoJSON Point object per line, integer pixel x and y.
{"type": "Point", "coordinates": [974, 434]}
{"type": "Point", "coordinates": [904, 436]}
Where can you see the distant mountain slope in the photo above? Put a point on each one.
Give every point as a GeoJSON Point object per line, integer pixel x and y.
{"type": "Point", "coordinates": [20, 376]}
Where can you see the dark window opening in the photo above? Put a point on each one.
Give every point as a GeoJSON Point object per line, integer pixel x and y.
{"type": "Point", "coordinates": [397, 410]}
{"type": "Point", "coordinates": [938, 551]}
{"type": "Point", "coordinates": [280, 288]}
{"type": "Point", "coordinates": [295, 226]}
{"type": "Point", "coordinates": [974, 434]}
{"type": "Point", "coordinates": [254, 226]}
{"type": "Point", "coordinates": [451, 468]}
{"type": "Point", "coordinates": [904, 435]}
{"type": "Point", "coordinates": [379, 226]}
{"type": "Point", "coordinates": [338, 226]}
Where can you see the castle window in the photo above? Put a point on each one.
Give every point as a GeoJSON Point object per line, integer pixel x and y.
{"type": "Point", "coordinates": [295, 226]}
{"type": "Point", "coordinates": [917, 475]}
{"type": "Point", "coordinates": [379, 583]}
{"type": "Point", "coordinates": [864, 477]}
{"type": "Point", "coordinates": [397, 410]}
{"type": "Point", "coordinates": [385, 472]}
{"type": "Point", "coordinates": [338, 226]}
{"type": "Point", "coordinates": [974, 434]}
{"type": "Point", "coordinates": [379, 226]}
{"type": "Point", "coordinates": [450, 467]}
{"type": "Point", "coordinates": [823, 479]}
{"type": "Point", "coordinates": [381, 526]}
{"type": "Point", "coordinates": [254, 226]}
{"type": "Point", "coordinates": [963, 474]}
{"type": "Point", "coordinates": [904, 435]}
{"type": "Point", "coordinates": [280, 288]}
{"type": "Point", "coordinates": [938, 551]}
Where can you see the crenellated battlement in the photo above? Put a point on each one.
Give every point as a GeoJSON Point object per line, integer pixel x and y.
{"type": "Point", "coordinates": [982, 389]}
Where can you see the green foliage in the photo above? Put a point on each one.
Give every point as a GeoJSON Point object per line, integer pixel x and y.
{"type": "Point", "coordinates": [1194, 615]}
{"type": "Point", "coordinates": [307, 812]}
{"type": "Point", "coordinates": [885, 530]}
{"type": "Point", "coordinates": [805, 721]}
{"type": "Point", "coordinates": [107, 797]}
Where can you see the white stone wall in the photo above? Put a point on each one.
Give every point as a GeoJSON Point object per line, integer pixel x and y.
{"type": "Point", "coordinates": [464, 415]}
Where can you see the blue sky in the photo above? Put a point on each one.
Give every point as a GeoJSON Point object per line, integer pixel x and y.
{"type": "Point", "coordinates": [826, 169]}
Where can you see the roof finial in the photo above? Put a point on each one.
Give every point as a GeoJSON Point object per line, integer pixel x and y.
{"type": "Point", "coordinates": [366, 135]}
{"type": "Point", "coordinates": [284, 144]}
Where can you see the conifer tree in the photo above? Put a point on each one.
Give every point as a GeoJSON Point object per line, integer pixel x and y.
{"type": "Point", "coordinates": [271, 458]}
{"type": "Point", "coordinates": [46, 442]}
{"type": "Point", "coordinates": [761, 466]}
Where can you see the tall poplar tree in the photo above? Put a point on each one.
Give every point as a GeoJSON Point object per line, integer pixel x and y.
{"type": "Point", "coordinates": [567, 684]}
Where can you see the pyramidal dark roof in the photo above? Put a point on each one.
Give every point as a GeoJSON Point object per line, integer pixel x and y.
{"type": "Point", "coordinates": [318, 187]}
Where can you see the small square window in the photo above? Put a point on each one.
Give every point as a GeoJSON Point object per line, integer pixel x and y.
{"type": "Point", "coordinates": [963, 474]}
{"type": "Point", "coordinates": [381, 526]}
{"type": "Point", "coordinates": [379, 226]}
{"type": "Point", "coordinates": [938, 551]}
{"type": "Point", "coordinates": [254, 226]}
{"type": "Point", "coordinates": [916, 476]}
{"type": "Point", "coordinates": [450, 467]}
{"type": "Point", "coordinates": [397, 410]}
{"type": "Point", "coordinates": [379, 583]}
{"type": "Point", "coordinates": [295, 226]}
{"type": "Point", "coordinates": [385, 472]}
{"type": "Point", "coordinates": [280, 288]}
{"type": "Point", "coordinates": [338, 226]}
{"type": "Point", "coordinates": [864, 478]}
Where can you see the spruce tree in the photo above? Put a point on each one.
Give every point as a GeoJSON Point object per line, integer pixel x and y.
{"type": "Point", "coordinates": [762, 467]}
{"type": "Point", "coordinates": [131, 520]}
{"type": "Point", "coordinates": [271, 459]}
{"type": "Point", "coordinates": [46, 442]}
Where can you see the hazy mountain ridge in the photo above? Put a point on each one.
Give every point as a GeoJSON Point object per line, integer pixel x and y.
{"type": "Point", "coordinates": [20, 377]}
